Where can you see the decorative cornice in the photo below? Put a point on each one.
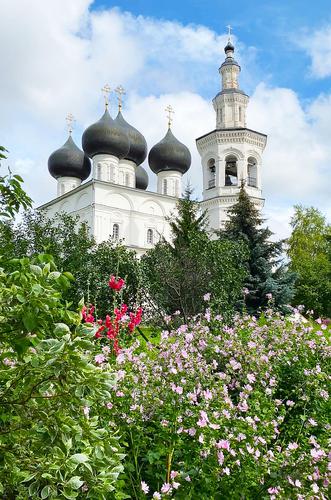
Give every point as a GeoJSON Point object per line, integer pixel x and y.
{"type": "Point", "coordinates": [232, 135]}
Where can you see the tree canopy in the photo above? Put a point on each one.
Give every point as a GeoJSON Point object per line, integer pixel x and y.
{"type": "Point", "coordinates": [267, 276]}
{"type": "Point", "coordinates": [309, 250]}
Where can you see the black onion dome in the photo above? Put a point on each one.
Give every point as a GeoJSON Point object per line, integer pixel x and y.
{"type": "Point", "coordinates": [138, 145]}
{"type": "Point", "coordinates": [141, 178]}
{"type": "Point", "coordinates": [69, 161]}
{"type": "Point", "coordinates": [169, 154]}
{"type": "Point", "coordinates": [229, 46]}
{"type": "Point", "coordinates": [106, 137]}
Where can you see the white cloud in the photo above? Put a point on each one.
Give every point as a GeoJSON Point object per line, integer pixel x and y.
{"type": "Point", "coordinates": [61, 53]}
{"type": "Point", "coordinates": [318, 47]}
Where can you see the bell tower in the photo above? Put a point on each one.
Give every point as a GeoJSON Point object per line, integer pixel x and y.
{"type": "Point", "coordinates": [231, 152]}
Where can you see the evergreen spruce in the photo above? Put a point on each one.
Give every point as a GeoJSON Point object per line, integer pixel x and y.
{"type": "Point", "coordinates": [266, 272]}
{"type": "Point", "coordinates": [179, 273]}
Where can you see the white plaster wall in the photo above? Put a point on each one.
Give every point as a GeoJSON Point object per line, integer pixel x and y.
{"type": "Point", "coordinates": [174, 183]}
{"type": "Point", "coordinates": [106, 168]}
{"type": "Point", "coordinates": [66, 184]}
{"type": "Point", "coordinates": [127, 173]}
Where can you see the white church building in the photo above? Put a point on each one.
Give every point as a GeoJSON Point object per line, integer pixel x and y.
{"type": "Point", "coordinates": [115, 201]}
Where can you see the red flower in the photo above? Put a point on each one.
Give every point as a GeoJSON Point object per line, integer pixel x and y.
{"type": "Point", "coordinates": [116, 285]}
{"type": "Point", "coordinates": [87, 314]}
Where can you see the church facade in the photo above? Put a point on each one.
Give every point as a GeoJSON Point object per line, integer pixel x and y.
{"type": "Point", "coordinates": [115, 201]}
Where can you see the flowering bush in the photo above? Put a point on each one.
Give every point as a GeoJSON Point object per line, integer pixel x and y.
{"type": "Point", "coordinates": [117, 328]}
{"type": "Point", "coordinates": [219, 412]}
{"type": "Point", "coordinates": [55, 441]}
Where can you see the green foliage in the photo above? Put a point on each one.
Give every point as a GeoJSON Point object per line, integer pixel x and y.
{"type": "Point", "coordinates": [226, 413]}
{"type": "Point", "coordinates": [12, 196]}
{"type": "Point", "coordinates": [309, 250]}
{"type": "Point", "coordinates": [266, 273]}
{"type": "Point", "coordinates": [179, 274]}
{"type": "Point", "coordinates": [54, 442]}
{"type": "Point", "coordinates": [73, 250]}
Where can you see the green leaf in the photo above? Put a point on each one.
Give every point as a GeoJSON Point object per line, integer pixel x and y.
{"type": "Point", "coordinates": [69, 493]}
{"type": "Point", "coordinates": [45, 492]}
{"type": "Point", "coordinates": [74, 482]}
{"type": "Point", "coordinates": [61, 328]}
{"type": "Point", "coordinates": [79, 458]}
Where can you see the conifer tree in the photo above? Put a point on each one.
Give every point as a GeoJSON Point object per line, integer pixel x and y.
{"type": "Point", "coordinates": [266, 272]}
{"type": "Point", "coordinates": [178, 273]}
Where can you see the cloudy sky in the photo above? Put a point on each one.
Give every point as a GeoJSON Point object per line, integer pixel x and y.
{"type": "Point", "coordinates": [55, 56]}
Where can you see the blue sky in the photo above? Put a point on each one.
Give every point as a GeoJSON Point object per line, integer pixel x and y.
{"type": "Point", "coordinates": [56, 55]}
{"type": "Point", "coordinates": [270, 26]}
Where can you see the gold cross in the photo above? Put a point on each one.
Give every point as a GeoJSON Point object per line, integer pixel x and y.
{"type": "Point", "coordinates": [169, 111]}
{"type": "Point", "coordinates": [229, 32]}
{"type": "Point", "coordinates": [106, 90]}
{"type": "Point", "coordinates": [120, 91]}
{"type": "Point", "coordinates": [70, 119]}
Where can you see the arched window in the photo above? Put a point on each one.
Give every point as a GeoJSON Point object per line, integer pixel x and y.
{"type": "Point", "coordinates": [116, 231]}
{"type": "Point", "coordinates": [211, 173]}
{"type": "Point", "coordinates": [127, 179]}
{"type": "Point", "coordinates": [150, 236]}
{"type": "Point", "coordinates": [252, 172]}
{"type": "Point", "coordinates": [240, 114]}
{"type": "Point", "coordinates": [231, 171]}
{"type": "Point", "coordinates": [165, 186]}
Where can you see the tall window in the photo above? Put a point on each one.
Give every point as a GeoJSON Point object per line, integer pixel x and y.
{"type": "Point", "coordinates": [240, 114]}
{"type": "Point", "coordinates": [116, 231]}
{"type": "Point", "coordinates": [150, 236]}
{"type": "Point", "coordinates": [231, 172]}
{"type": "Point", "coordinates": [127, 179]}
{"type": "Point", "coordinates": [252, 172]}
{"type": "Point", "coordinates": [165, 186]}
{"type": "Point", "coordinates": [212, 173]}
{"type": "Point", "coordinates": [99, 166]}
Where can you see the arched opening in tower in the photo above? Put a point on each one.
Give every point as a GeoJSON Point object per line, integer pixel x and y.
{"type": "Point", "coordinates": [231, 171]}
{"type": "Point", "coordinates": [211, 173]}
{"type": "Point", "coordinates": [252, 172]}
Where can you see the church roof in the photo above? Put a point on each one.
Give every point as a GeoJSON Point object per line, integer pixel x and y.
{"type": "Point", "coordinates": [169, 154]}
{"type": "Point", "coordinates": [106, 136]}
{"type": "Point", "coordinates": [138, 145]}
{"type": "Point", "coordinates": [69, 161]}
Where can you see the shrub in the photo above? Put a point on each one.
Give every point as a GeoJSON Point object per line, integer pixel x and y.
{"type": "Point", "coordinates": [216, 412]}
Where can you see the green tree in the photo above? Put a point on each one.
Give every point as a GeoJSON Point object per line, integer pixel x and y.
{"type": "Point", "coordinates": [309, 250]}
{"type": "Point", "coordinates": [266, 272]}
{"type": "Point", "coordinates": [180, 273]}
{"type": "Point", "coordinates": [75, 251]}
{"type": "Point", "coordinates": [55, 438]}
{"type": "Point", "coordinates": [12, 195]}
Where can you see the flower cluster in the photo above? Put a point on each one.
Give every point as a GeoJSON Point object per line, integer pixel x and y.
{"type": "Point", "coordinates": [228, 411]}
{"type": "Point", "coordinates": [115, 329]}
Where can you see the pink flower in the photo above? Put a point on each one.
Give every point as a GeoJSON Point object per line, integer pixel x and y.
{"type": "Point", "coordinates": [251, 377]}
{"type": "Point", "coordinates": [315, 488]}
{"type": "Point", "coordinates": [99, 358]}
{"type": "Point", "coordinates": [317, 454]}
{"type": "Point", "coordinates": [206, 297]}
{"type": "Point", "coordinates": [86, 411]}
{"type": "Point", "coordinates": [223, 444]}
{"type": "Point", "coordinates": [273, 491]}
{"type": "Point", "coordinates": [166, 488]}
{"type": "Point", "coordinates": [289, 403]}
{"type": "Point", "coordinates": [144, 487]}
{"type": "Point", "coordinates": [220, 457]}
{"type": "Point", "coordinates": [292, 446]}
{"type": "Point", "coordinates": [109, 405]}
{"type": "Point", "coordinates": [312, 422]}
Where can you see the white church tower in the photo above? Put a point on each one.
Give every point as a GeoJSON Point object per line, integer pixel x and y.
{"type": "Point", "coordinates": [231, 153]}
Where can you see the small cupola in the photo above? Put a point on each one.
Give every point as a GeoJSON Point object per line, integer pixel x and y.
{"type": "Point", "coordinates": [69, 161]}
